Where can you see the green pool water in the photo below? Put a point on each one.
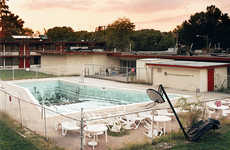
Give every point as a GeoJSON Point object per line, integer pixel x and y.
{"type": "Point", "coordinates": [74, 96]}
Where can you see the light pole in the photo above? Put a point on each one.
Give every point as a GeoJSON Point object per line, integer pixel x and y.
{"type": "Point", "coordinates": [206, 39]}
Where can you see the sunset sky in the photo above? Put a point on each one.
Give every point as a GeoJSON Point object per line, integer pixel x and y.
{"type": "Point", "coordinates": [162, 15]}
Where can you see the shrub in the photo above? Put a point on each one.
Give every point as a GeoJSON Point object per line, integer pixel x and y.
{"type": "Point", "coordinates": [195, 111]}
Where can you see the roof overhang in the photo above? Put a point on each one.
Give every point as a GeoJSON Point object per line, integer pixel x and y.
{"type": "Point", "coordinates": [192, 67]}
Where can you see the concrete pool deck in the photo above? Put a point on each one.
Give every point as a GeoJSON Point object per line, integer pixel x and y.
{"type": "Point", "coordinates": [31, 115]}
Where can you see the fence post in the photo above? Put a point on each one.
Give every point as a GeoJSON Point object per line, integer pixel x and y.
{"type": "Point", "coordinates": [1, 101]}
{"type": "Point", "coordinates": [127, 74]}
{"type": "Point", "coordinates": [20, 112]}
{"type": "Point", "coordinates": [82, 128]}
{"type": "Point", "coordinates": [152, 125]}
{"type": "Point", "coordinates": [45, 122]}
{"type": "Point", "coordinates": [13, 72]}
{"type": "Point", "coordinates": [82, 74]}
{"type": "Point", "coordinates": [5, 99]}
{"type": "Point", "coordinates": [93, 71]}
{"type": "Point", "coordinates": [36, 72]}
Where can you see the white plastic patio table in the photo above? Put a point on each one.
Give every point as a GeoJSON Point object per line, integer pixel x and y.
{"type": "Point", "coordinates": [213, 105]}
{"type": "Point", "coordinates": [161, 119]}
{"type": "Point", "coordinates": [68, 126]}
{"type": "Point", "coordinates": [97, 128]}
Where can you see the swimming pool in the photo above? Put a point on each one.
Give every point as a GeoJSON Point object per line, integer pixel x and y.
{"type": "Point", "coordinates": [67, 97]}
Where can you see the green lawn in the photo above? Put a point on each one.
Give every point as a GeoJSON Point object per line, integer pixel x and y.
{"type": "Point", "coordinates": [22, 74]}
{"type": "Point", "coordinates": [214, 140]}
{"type": "Point", "coordinates": [11, 140]}
{"type": "Point", "coordinates": [218, 140]}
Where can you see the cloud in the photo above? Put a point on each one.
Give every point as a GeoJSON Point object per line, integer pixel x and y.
{"type": "Point", "coordinates": [127, 6]}
{"type": "Point", "coordinates": [66, 4]}
{"type": "Point", "coordinates": [179, 18]}
{"type": "Point", "coordinates": [142, 6]}
{"type": "Point", "coordinates": [87, 13]}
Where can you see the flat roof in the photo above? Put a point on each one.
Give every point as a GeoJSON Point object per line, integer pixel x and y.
{"type": "Point", "coordinates": [149, 59]}
{"type": "Point", "coordinates": [176, 57]}
{"type": "Point", "coordinates": [188, 64]}
{"type": "Point", "coordinates": [57, 52]}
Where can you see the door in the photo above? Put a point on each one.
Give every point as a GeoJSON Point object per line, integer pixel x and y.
{"type": "Point", "coordinates": [21, 63]}
{"type": "Point", "coordinates": [211, 79]}
{"type": "Point", "coordinates": [27, 62]}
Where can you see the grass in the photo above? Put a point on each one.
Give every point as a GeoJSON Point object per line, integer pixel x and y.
{"type": "Point", "coordinates": [10, 138]}
{"type": "Point", "coordinates": [214, 140]}
{"type": "Point", "coordinates": [22, 74]}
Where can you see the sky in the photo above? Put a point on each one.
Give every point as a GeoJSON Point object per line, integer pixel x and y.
{"type": "Point", "coordinates": [163, 15]}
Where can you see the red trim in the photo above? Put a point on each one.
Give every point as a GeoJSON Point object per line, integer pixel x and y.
{"type": "Point", "coordinates": [193, 67]}
{"type": "Point", "coordinates": [195, 58]}
{"type": "Point", "coordinates": [74, 53]}
{"type": "Point", "coordinates": [211, 79]}
{"type": "Point", "coordinates": [17, 56]}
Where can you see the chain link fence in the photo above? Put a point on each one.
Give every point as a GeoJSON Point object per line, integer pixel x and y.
{"type": "Point", "coordinates": [110, 72]}
{"type": "Point", "coordinates": [69, 130]}
{"type": "Point", "coordinates": [34, 72]}
{"type": "Point", "coordinates": [117, 73]}
{"type": "Point", "coordinates": [66, 130]}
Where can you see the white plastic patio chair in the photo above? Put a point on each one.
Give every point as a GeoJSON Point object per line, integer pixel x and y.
{"type": "Point", "coordinates": [150, 131]}
{"type": "Point", "coordinates": [153, 133]}
{"type": "Point", "coordinates": [93, 143]}
{"type": "Point", "coordinates": [147, 125]}
{"type": "Point", "coordinates": [128, 125]}
{"type": "Point", "coordinates": [131, 121]}
{"type": "Point", "coordinates": [116, 127]}
{"type": "Point", "coordinates": [226, 112]}
{"type": "Point", "coordinates": [57, 125]}
{"type": "Point", "coordinates": [210, 112]}
{"type": "Point", "coordinates": [180, 110]}
{"type": "Point", "coordinates": [164, 112]}
{"type": "Point", "coordinates": [146, 115]}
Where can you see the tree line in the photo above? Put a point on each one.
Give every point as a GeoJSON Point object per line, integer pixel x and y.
{"type": "Point", "coordinates": [202, 29]}
{"type": "Point", "coordinates": [121, 34]}
{"type": "Point", "coordinates": [206, 29]}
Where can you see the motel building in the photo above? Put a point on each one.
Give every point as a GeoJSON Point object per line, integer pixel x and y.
{"type": "Point", "coordinates": [185, 75]}
{"type": "Point", "coordinates": [19, 53]}
{"type": "Point", "coordinates": [25, 51]}
{"type": "Point", "coordinates": [69, 63]}
{"type": "Point", "coordinates": [194, 73]}
{"type": "Point", "coordinates": [181, 75]}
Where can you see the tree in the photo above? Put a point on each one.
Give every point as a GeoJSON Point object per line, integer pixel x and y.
{"type": "Point", "coordinates": [84, 36]}
{"type": "Point", "coordinates": [99, 34]}
{"type": "Point", "coordinates": [61, 34]}
{"type": "Point", "coordinates": [146, 39]}
{"type": "Point", "coordinates": [166, 41]}
{"type": "Point", "coordinates": [152, 40]}
{"type": "Point", "coordinates": [118, 34]}
{"type": "Point", "coordinates": [207, 27]}
{"type": "Point", "coordinates": [28, 31]}
{"type": "Point", "coordinates": [11, 23]}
